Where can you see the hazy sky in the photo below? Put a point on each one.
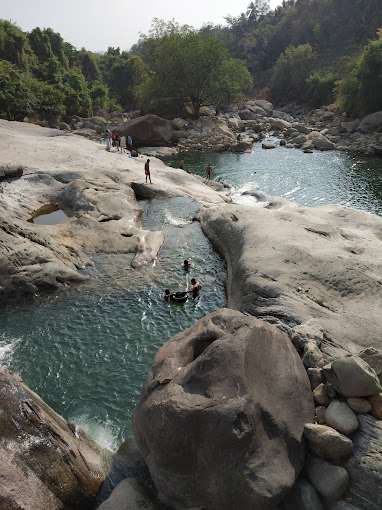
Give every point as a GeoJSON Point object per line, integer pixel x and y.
{"type": "Point", "coordinates": [97, 24]}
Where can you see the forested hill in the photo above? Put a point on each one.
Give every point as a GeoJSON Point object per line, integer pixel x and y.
{"type": "Point", "coordinates": [316, 51]}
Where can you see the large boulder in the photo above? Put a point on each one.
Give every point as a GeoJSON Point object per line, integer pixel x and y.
{"type": "Point", "coordinates": [45, 460]}
{"type": "Point", "coordinates": [215, 426]}
{"type": "Point", "coordinates": [288, 263]}
{"type": "Point", "coordinates": [149, 130]}
{"type": "Point", "coordinates": [371, 123]}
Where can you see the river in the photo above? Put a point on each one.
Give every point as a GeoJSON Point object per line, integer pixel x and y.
{"type": "Point", "coordinates": [86, 351]}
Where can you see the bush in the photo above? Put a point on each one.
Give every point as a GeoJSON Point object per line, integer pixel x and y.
{"type": "Point", "coordinates": [320, 88]}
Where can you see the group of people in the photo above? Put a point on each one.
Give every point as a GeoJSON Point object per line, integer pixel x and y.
{"type": "Point", "coordinates": [195, 285]}
{"type": "Point", "coordinates": [118, 140]}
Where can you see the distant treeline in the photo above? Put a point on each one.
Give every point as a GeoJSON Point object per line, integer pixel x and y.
{"type": "Point", "coordinates": [315, 51]}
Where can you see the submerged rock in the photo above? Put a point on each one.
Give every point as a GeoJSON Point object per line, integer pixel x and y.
{"type": "Point", "coordinates": [214, 425]}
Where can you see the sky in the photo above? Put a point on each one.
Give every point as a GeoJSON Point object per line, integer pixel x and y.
{"type": "Point", "coordinates": [98, 24]}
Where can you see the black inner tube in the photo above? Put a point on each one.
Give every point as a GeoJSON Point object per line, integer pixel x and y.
{"type": "Point", "coordinates": [179, 297]}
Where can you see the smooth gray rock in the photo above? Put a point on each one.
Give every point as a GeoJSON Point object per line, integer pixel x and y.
{"type": "Point", "coordinates": [352, 377]}
{"type": "Point", "coordinates": [130, 494]}
{"type": "Point", "coordinates": [327, 443]}
{"type": "Point", "coordinates": [310, 331]}
{"type": "Point", "coordinates": [341, 417]}
{"type": "Point", "coordinates": [321, 395]}
{"type": "Point", "coordinates": [211, 401]}
{"type": "Point", "coordinates": [330, 481]}
{"type": "Point", "coordinates": [371, 123]}
{"type": "Point", "coordinates": [323, 144]}
{"type": "Point", "coordinates": [303, 496]}
{"type": "Point", "coordinates": [320, 415]}
{"type": "Point", "coordinates": [273, 275]}
{"type": "Point", "coordinates": [149, 130]}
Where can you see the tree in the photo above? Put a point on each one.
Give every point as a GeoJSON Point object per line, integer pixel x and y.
{"type": "Point", "coordinates": [196, 68]}
{"type": "Point", "coordinates": [257, 10]}
{"type": "Point", "coordinates": [16, 102]}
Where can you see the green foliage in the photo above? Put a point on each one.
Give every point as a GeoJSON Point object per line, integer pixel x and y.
{"type": "Point", "coordinates": [194, 67]}
{"type": "Point", "coordinates": [360, 91]}
{"type": "Point", "coordinates": [16, 101]}
{"type": "Point", "coordinates": [14, 46]}
{"type": "Point", "coordinates": [320, 88]}
{"type": "Point", "coordinates": [47, 100]}
{"type": "Point", "coordinates": [290, 73]}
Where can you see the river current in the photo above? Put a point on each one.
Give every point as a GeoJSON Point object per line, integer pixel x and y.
{"type": "Point", "coordinates": [86, 351]}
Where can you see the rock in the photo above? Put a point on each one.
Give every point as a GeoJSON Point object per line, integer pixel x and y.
{"type": "Point", "coordinates": [359, 405]}
{"type": "Point", "coordinates": [10, 172]}
{"type": "Point", "coordinates": [308, 151]}
{"type": "Point", "coordinates": [377, 149]}
{"type": "Point", "coordinates": [352, 377]}
{"type": "Point", "coordinates": [301, 128]}
{"type": "Point", "coordinates": [373, 357]}
{"type": "Point", "coordinates": [376, 405]}
{"type": "Point", "coordinates": [320, 415]}
{"type": "Point", "coordinates": [328, 116]}
{"type": "Point", "coordinates": [268, 145]}
{"type": "Point", "coordinates": [214, 400]}
{"type": "Point", "coordinates": [63, 126]}
{"type": "Point", "coordinates": [47, 457]}
{"type": "Point", "coordinates": [279, 124]}
{"type": "Point", "coordinates": [309, 332]}
{"type": "Point", "coordinates": [299, 139]}
{"type": "Point", "coordinates": [371, 123]}
{"type": "Point", "coordinates": [323, 144]}
{"type": "Point", "coordinates": [247, 115]}
{"type": "Point", "coordinates": [149, 130]}
{"type": "Point", "coordinates": [87, 133]}
{"type": "Point", "coordinates": [365, 465]}
{"type": "Point", "coordinates": [332, 393]}
{"type": "Point", "coordinates": [342, 505]}
{"type": "Point", "coordinates": [267, 266]}
{"type": "Point", "coordinates": [320, 395]}
{"type": "Point", "coordinates": [327, 443]}
{"type": "Point", "coordinates": [303, 496]}
{"type": "Point", "coordinates": [315, 377]}
{"type": "Point", "coordinates": [130, 494]}
{"type": "Point", "coordinates": [312, 356]}
{"type": "Point", "coordinates": [342, 418]}
{"type": "Point", "coordinates": [330, 481]}
{"type": "Point", "coordinates": [265, 105]}
{"type": "Point", "coordinates": [350, 126]}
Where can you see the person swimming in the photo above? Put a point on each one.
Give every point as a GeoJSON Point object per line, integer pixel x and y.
{"type": "Point", "coordinates": [186, 265]}
{"type": "Point", "coordinates": [167, 294]}
{"type": "Point", "coordinates": [195, 288]}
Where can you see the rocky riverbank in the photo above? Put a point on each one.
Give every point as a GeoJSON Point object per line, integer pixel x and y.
{"type": "Point", "coordinates": [239, 126]}
{"type": "Point", "coordinates": [278, 407]}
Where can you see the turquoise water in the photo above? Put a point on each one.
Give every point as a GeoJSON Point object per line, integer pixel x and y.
{"type": "Point", "coordinates": [309, 179]}
{"type": "Point", "coordinates": [86, 351]}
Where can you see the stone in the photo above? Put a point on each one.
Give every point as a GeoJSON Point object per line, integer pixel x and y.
{"type": "Point", "coordinates": [323, 144]}
{"type": "Point", "coordinates": [332, 393]}
{"type": "Point", "coordinates": [299, 139]}
{"type": "Point", "coordinates": [320, 395]}
{"type": "Point", "coordinates": [342, 418]}
{"type": "Point", "coordinates": [312, 356]}
{"type": "Point", "coordinates": [320, 415]}
{"type": "Point", "coordinates": [373, 358]}
{"type": "Point", "coordinates": [267, 266]}
{"type": "Point", "coordinates": [265, 105]}
{"type": "Point", "coordinates": [268, 145]}
{"type": "Point", "coordinates": [376, 405]}
{"type": "Point", "coordinates": [327, 443]}
{"type": "Point", "coordinates": [328, 116]}
{"type": "Point", "coordinates": [371, 123]}
{"type": "Point", "coordinates": [365, 465]}
{"type": "Point", "coordinates": [149, 130]}
{"type": "Point", "coordinates": [130, 494]}
{"type": "Point", "coordinates": [214, 400]}
{"type": "Point", "coordinates": [352, 377]}
{"type": "Point", "coordinates": [303, 496]}
{"type": "Point", "coordinates": [358, 404]}
{"type": "Point", "coordinates": [247, 115]}
{"type": "Point", "coordinates": [47, 457]}
{"type": "Point", "coordinates": [315, 377]}
{"type": "Point", "coordinates": [342, 504]}
{"type": "Point", "coordinates": [279, 124]}
{"type": "Point", "coordinates": [330, 481]}
{"type": "Point", "coordinates": [350, 126]}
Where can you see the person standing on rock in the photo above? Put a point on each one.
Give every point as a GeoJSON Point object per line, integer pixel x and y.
{"type": "Point", "coordinates": [122, 143]}
{"type": "Point", "coordinates": [108, 139]}
{"type": "Point", "coordinates": [130, 143]}
{"type": "Point", "coordinates": [208, 169]}
{"type": "Point", "coordinates": [181, 163]}
{"type": "Point", "coordinates": [147, 170]}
